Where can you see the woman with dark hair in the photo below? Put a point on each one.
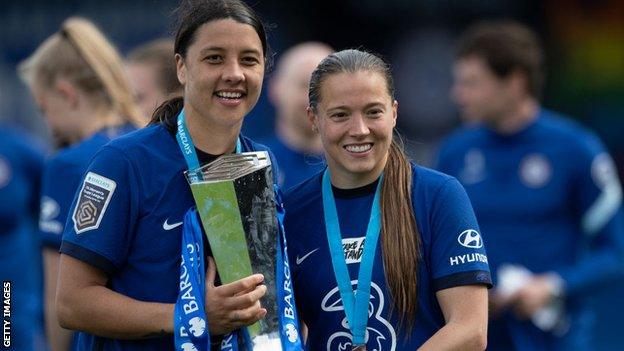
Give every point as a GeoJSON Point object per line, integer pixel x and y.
{"type": "Point", "coordinates": [424, 285]}
{"type": "Point", "coordinates": [120, 256]}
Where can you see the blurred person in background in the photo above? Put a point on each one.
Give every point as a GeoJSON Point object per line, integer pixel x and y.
{"type": "Point", "coordinates": [152, 71]}
{"type": "Point", "coordinates": [78, 81]}
{"type": "Point", "coordinates": [544, 189]}
{"type": "Point", "coordinates": [21, 165]}
{"type": "Point", "coordinates": [295, 146]}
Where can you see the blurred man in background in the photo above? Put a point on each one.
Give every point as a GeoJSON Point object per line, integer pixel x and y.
{"type": "Point", "coordinates": [544, 189]}
{"type": "Point", "coordinates": [152, 71]}
{"type": "Point", "coordinates": [21, 164]}
{"type": "Point", "coordinates": [295, 145]}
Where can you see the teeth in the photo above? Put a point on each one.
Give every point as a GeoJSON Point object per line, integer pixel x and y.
{"type": "Point", "coordinates": [229, 95]}
{"type": "Point", "coordinates": [358, 148]}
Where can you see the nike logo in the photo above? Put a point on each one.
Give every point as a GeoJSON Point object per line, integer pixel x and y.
{"type": "Point", "coordinates": [301, 259]}
{"type": "Point", "coordinates": [167, 226]}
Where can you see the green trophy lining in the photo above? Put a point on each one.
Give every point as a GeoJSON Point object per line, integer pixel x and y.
{"type": "Point", "coordinates": [217, 205]}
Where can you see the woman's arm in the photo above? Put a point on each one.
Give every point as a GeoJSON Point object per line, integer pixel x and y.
{"type": "Point", "coordinates": [58, 338]}
{"type": "Point", "coordinates": [84, 303]}
{"type": "Point", "coordinates": [465, 312]}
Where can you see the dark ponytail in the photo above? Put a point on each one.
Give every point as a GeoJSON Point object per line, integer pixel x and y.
{"type": "Point", "coordinates": [167, 113]}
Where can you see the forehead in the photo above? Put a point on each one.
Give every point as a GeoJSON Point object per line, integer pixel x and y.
{"type": "Point", "coordinates": [226, 34]}
{"type": "Point", "coordinates": [347, 87]}
{"type": "Point", "coordinates": [301, 63]}
{"type": "Point", "coordinates": [473, 65]}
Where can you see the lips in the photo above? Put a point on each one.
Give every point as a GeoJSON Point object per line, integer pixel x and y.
{"type": "Point", "coordinates": [231, 98]}
{"type": "Point", "coordinates": [358, 148]}
{"type": "Point", "coordinates": [233, 95]}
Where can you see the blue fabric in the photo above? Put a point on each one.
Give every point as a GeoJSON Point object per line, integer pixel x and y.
{"type": "Point", "coordinates": [536, 194]}
{"type": "Point", "coordinates": [21, 165]}
{"type": "Point", "coordinates": [295, 167]}
{"type": "Point", "coordinates": [61, 178]}
{"type": "Point", "coordinates": [442, 212]}
{"type": "Point", "coordinates": [137, 242]}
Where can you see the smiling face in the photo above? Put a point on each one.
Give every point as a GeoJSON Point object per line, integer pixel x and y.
{"type": "Point", "coordinates": [355, 117]}
{"type": "Point", "coordinates": [222, 72]}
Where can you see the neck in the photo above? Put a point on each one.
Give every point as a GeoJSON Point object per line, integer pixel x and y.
{"type": "Point", "coordinates": [517, 119]}
{"type": "Point", "coordinates": [344, 179]}
{"type": "Point", "coordinates": [209, 137]}
{"type": "Point", "coordinates": [98, 120]}
{"type": "Point", "coordinates": [298, 140]}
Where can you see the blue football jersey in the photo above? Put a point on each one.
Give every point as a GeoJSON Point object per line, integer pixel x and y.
{"type": "Point", "coordinates": [126, 220]}
{"type": "Point", "coordinates": [61, 177]}
{"type": "Point", "coordinates": [547, 198]}
{"type": "Point", "coordinates": [452, 252]}
{"type": "Point", "coordinates": [21, 164]}
{"type": "Point", "coordinates": [295, 167]}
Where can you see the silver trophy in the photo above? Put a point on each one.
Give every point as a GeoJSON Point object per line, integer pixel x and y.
{"type": "Point", "coordinates": [236, 203]}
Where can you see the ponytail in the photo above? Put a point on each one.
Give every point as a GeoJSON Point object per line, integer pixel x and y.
{"type": "Point", "coordinates": [167, 113]}
{"type": "Point", "coordinates": [400, 239]}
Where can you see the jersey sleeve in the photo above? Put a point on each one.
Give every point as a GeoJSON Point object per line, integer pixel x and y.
{"type": "Point", "coordinates": [104, 212]}
{"type": "Point", "coordinates": [58, 188]}
{"type": "Point", "coordinates": [597, 195]}
{"type": "Point", "coordinates": [457, 253]}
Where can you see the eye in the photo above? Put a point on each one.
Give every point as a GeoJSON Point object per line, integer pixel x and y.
{"type": "Point", "coordinates": [340, 115]}
{"type": "Point", "coordinates": [213, 59]}
{"type": "Point", "coordinates": [376, 112]}
{"type": "Point", "coordinates": [250, 60]}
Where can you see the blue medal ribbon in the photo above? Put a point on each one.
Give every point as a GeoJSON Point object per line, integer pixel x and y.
{"type": "Point", "coordinates": [355, 305]}
{"type": "Point", "coordinates": [189, 311]}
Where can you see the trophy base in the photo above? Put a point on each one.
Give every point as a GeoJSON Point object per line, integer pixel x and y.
{"type": "Point", "coordinates": [267, 342]}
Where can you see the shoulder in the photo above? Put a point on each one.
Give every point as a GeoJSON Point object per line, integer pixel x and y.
{"type": "Point", "coordinates": [19, 142]}
{"type": "Point", "coordinates": [428, 180]}
{"type": "Point", "coordinates": [144, 143]}
{"type": "Point", "coordinates": [564, 129]}
{"type": "Point", "coordinates": [301, 195]}
{"type": "Point", "coordinates": [250, 144]}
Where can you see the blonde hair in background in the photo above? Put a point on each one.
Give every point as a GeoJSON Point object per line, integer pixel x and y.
{"type": "Point", "coordinates": [80, 53]}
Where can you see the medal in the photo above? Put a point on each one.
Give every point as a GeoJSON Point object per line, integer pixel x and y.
{"type": "Point", "coordinates": [355, 305]}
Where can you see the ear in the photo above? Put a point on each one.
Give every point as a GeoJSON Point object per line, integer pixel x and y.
{"type": "Point", "coordinates": [395, 112]}
{"type": "Point", "coordinates": [518, 82]}
{"type": "Point", "coordinates": [274, 88]}
{"type": "Point", "coordinates": [313, 119]}
{"type": "Point", "coordinates": [67, 91]}
{"type": "Point", "coordinates": [180, 69]}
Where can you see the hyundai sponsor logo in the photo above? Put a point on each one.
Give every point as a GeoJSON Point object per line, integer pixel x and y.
{"type": "Point", "coordinates": [468, 258]}
{"type": "Point", "coordinates": [471, 239]}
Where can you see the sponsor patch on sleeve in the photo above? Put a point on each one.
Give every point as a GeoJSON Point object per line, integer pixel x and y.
{"type": "Point", "coordinates": [93, 200]}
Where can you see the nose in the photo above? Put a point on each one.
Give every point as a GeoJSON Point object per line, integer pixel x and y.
{"type": "Point", "coordinates": [233, 72]}
{"type": "Point", "coordinates": [358, 126]}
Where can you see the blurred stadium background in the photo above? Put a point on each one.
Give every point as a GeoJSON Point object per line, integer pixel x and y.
{"type": "Point", "coordinates": [584, 43]}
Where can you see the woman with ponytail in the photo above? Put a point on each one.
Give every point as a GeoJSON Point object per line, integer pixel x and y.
{"type": "Point", "coordinates": [120, 268]}
{"type": "Point", "coordinates": [386, 254]}
{"type": "Point", "coordinates": [78, 80]}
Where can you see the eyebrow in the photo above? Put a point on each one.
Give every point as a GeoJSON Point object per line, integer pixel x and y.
{"type": "Point", "coordinates": [366, 107]}
{"type": "Point", "coordinates": [221, 49]}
